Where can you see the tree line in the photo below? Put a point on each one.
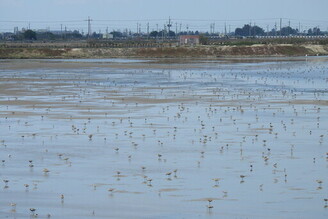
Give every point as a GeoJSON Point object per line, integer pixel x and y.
{"type": "Point", "coordinates": [248, 30]}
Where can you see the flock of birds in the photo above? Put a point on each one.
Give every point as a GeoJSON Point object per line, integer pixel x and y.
{"type": "Point", "coordinates": [167, 130]}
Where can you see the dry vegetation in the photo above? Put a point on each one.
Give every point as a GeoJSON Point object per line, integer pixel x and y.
{"type": "Point", "coordinates": [172, 52]}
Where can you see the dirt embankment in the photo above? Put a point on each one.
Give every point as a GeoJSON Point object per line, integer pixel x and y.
{"type": "Point", "coordinates": [168, 52]}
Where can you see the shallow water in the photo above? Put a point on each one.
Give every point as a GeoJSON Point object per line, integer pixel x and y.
{"type": "Point", "coordinates": [210, 121]}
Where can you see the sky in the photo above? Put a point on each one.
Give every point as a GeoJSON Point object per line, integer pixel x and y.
{"type": "Point", "coordinates": [191, 14]}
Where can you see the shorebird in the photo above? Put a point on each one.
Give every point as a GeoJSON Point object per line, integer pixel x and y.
{"type": "Point", "coordinates": [216, 180]}
{"type": "Point", "coordinates": [175, 172]}
{"type": "Point", "coordinates": [46, 171]}
{"type": "Point", "coordinates": [145, 179]}
{"type": "Point", "coordinates": [111, 190]}
{"type": "Point", "coordinates": [149, 181]}
{"type": "Point", "coordinates": [6, 181]}
{"type": "Point", "coordinates": [209, 206]}
{"type": "Point", "coordinates": [261, 187]}
{"type": "Point", "coordinates": [13, 206]}
{"type": "Point", "coordinates": [319, 181]}
{"type": "Point", "coordinates": [33, 211]}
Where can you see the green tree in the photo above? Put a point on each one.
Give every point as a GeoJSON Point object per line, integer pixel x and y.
{"type": "Point", "coordinates": [203, 40]}
{"type": "Point", "coordinates": [153, 34]}
{"type": "Point", "coordinates": [30, 35]}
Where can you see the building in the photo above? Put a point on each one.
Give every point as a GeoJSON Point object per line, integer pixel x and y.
{"type": "Point", "coordinates": [189, 40]}
{"type": "Point", "coordinates": [108, 36]}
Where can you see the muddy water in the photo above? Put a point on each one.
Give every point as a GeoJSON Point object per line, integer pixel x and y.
{"type": "Point", "coordinates": [250, 134]}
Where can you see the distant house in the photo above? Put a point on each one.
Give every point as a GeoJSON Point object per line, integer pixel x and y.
{"type": "Point", "coordinates": [189, 40]}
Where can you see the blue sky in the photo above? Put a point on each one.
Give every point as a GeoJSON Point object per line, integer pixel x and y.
{"type": "Point", "coordinates": [196, 14]}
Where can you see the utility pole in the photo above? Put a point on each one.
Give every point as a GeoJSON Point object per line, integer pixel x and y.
{"type": "Point", "coordinates": [267, 30]}
{"type": "Point", "coordinates": [176, 28]}
{"type": "Point", "coordinates": [169, 26]}
{"type": "Point", "coordinates": [225, 29]}
{"type": "Point", "coordinates": [275, 28]}
{"type": "Point", "coordinates": [148, 29]}
{"type": "Point", "coordinates": [89, 27]}
{"type": "Point", "coordinates": [61, 30]}
{"type": "Point", "coordinates": [299, 27]}
{"type": "Point", "coordinates": [280, 25]}
{"type": "Point", "coordinates": [137, 28]}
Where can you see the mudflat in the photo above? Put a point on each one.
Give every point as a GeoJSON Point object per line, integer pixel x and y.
{"type": "Point", "coordinates": [164, 138]}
